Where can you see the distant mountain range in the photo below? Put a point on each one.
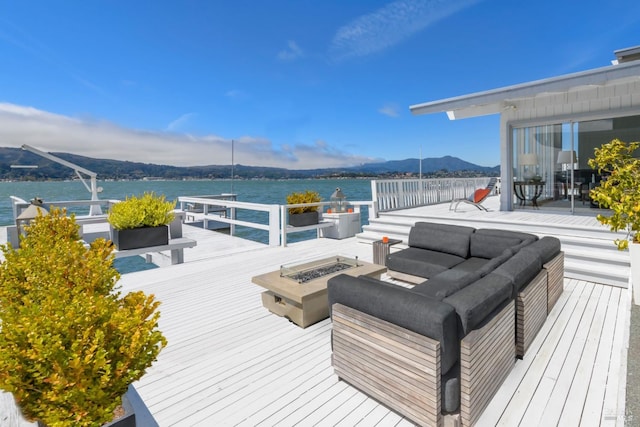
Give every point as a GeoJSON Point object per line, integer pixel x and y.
{"type": "Point", "coordinates": [116, 169]}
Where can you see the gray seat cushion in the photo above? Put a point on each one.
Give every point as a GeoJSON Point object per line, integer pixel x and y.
{"type": "Point", "coordinates": [520, 269]}
{"type": "Point", "coordinates": [476, 302]}
{"type": "Point", "coordinates": [450, 387]}
{"type": "Point", "coordinates": [443, 238]}
{"type": "Point", "coordinates": [400, 306]}
{"type": "Point", "coordinates": [446, 283]}
{"type": "Point", "coordinates": [470, 265]}
{"type": "Point", "coordinates": [421, 262]}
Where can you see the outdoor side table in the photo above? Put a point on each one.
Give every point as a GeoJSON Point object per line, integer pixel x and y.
{"type": "Point", "coordinates": [382, 249]}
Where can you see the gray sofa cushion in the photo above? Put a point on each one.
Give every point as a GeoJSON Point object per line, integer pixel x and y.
{"type": "Point", "coordinates": [450, 387]}
{"type": "Point", "coordinates": [401, 307]}
{"type": "Point", "coordinates": [494, 263]}
{"type": "Point", "coordinates": [421, 262]}
{"type": "Point", "coordinates": [490, 246]}
{"type": "Point", "coordinates": [471, 264]}
{"type": "Point", "coordinates": [546, 248]}
{"type": "Point", "coordinates": [446, 283]}
{"type": "Point", "coordinates": [451, 239]}
{"type": "Point", "coordinates": [476, 302]}
{"type": "Point", "coordinates": [520, 269]}
{"type": "Point", "coordinates": [508, 234]}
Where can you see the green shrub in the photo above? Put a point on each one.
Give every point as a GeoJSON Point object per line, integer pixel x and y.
{"type": "Point", "coordinates": [148, 210]}
{"type": "Point", "coordinates": [70, 344]}
{"type": "Point", "coordinates": [620, 191]}
{"type": "Point", "coordinates": [305, 197]}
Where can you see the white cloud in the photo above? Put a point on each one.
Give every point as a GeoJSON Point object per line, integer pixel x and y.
{"type": "Point", "coordinates": [103, 140]}
{"type": "Point", "coordinates": [390, 25]}
{"type": "Point", "coordinates": [390, 110]}
{"type": "Point", "coordinates": [292, 52]}
{"type": "Point", "coordinates": [179, 123]}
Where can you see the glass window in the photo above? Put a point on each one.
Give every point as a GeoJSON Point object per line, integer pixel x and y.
{"type": "Point", "coordinates": [558, 155]}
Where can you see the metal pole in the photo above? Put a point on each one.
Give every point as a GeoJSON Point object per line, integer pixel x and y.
{"type": "Point", "coordinates": [233, 174]}
{"type": "Point", "coordinates": [571, 169]}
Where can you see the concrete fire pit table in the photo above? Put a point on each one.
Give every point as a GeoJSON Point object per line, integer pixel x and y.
{"type": "Point", "coordinates": [299, 292]}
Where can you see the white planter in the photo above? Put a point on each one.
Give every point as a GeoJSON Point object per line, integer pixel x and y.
{"type": "Point", "coordinates": [634, 259]}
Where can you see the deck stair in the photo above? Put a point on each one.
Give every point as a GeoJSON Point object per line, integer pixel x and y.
{"type": "Point", "coordinates": [589, 250]}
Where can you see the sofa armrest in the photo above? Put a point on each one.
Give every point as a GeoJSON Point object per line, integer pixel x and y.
{"type": "Point", "coordinates": [402, 307]}
{"type": "Point", "coordinates": [393, 365]}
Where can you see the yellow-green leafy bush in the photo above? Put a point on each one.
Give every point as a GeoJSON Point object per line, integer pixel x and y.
{"type": "Point", "coordinates": [620, 190]}
{"type": "Point", "coordinates": [303, 197]}
{"type": "Point", "coordinates": [70, 343]}
{"type": "Point", "coordinates": [148, 210]}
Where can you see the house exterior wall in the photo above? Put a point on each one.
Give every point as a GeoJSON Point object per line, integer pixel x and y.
{"type": "Point", "coordinates": [585, 103]}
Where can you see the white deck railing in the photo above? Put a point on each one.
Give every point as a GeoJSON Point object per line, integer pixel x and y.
{"type": "Point", "coordinates": [392, 194]}
{"type": "Point", "coordinates": [224, 211]}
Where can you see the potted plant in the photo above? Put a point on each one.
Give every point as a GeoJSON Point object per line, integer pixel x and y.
{"type": "Point", "coordinates": [620, 193]}
{"type": "Point", "coordinates": [139, 222]}
{"type": "Point", "coordinates": [70, 343]}
{"type": "Point", "coordinates": [303, 215]}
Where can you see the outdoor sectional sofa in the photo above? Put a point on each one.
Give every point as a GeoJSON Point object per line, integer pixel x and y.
{"type": "Point", "coordinates": [445, 345]}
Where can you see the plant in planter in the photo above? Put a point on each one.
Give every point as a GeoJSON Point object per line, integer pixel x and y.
{"type": "Point", "coordinates": [620, 193]}
{"type": "Point", "coordinates": [139, 222]}
{"type": "Point", "coordinates": [303, 215]}
{"type": "Point", "coordinates": [70, 343]}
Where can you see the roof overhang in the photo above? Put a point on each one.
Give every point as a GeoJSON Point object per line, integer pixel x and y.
{"type": "Point", "coordinates": [496, 101]}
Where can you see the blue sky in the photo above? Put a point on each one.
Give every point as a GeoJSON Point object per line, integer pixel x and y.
{"type": "Point", "coordinates": [296, 84]}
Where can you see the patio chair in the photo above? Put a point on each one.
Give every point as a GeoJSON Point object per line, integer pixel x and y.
{"type": "Point", "coordinates": [477, 197]}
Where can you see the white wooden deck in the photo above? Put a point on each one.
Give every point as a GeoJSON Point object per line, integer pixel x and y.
{"type": "Point", "coordinates": [230, 362]}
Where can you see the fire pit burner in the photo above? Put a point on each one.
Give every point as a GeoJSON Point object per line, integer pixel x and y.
{"type": "Point", "coordinates": [306, 272]}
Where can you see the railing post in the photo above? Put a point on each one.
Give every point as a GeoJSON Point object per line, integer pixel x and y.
{"type": "Point", "coordinates": [283, 225]}
{"type": "Point", "coordinates": [373, 211]}
{"type": "Point", "coordinates": [374, 190]}
{"type": "Point", "coordinates": [274, 225]}
{"type": "Point", "coordinates": [232, 227]}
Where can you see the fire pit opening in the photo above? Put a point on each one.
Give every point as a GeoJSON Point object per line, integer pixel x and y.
{"type": "Point", "coordinates": [305, 272]}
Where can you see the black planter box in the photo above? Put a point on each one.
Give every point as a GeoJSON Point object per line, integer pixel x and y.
{"type": "Point", "coordinates": [129, 417]}
{"type": "Point", "coordinates": [303, 219]}
{"type": "Point", "coordinates": [135, 238]}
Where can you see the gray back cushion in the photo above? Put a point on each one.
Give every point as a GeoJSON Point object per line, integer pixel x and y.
{"type": "Point", "coordinates": [490, 246]}
{"type": "Point", "coordinates": [546, 248]}
{"type": "Point", "coordinates": [451, 239]}
{"type": "Point", "coordinates": [507, 233]}
{"type": "Point", "coordinates": [520, 269]}
{"type": "Point", "coordinates": [401, 307]}
{"type": "Point", "coordinates": [477, 301]}
{"type": "Point", "coordinates": [495, 262]}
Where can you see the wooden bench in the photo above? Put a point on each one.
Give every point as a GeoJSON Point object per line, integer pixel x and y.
{"type": "Point", "coordinates": [176, 246]}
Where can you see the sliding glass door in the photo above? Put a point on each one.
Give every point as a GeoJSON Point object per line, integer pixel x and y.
{"type": "Point", "coordinates": [552, 160]}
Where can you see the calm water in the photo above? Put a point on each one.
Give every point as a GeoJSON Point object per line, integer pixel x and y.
{"type": "Point", "coordinates": [268, 192]}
